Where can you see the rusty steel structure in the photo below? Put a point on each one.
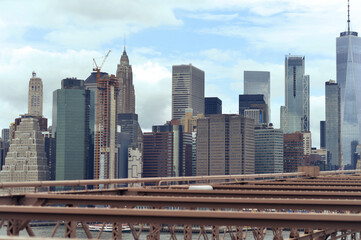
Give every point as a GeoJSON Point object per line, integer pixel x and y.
{"type": "Point", "coordinates": [303, 205]}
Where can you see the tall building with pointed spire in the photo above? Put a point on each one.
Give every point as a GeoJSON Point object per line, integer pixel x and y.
{"type": "Point", "coordinates": [35, 97]}
{"type": "Point", "coordinates": [126, 95]}
{"type": "Point", "coordinates": [348, 58]}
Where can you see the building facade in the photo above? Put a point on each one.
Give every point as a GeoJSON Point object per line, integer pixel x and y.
{"type": "Point", "coordinates": [253, 106]}
{"type": "Point", "coordinates": [258, 82]}
{"type": "Point", "coordinates": [268, 150]}
{"type": "Point", "coordinates": [212, 105]}
{"type": "Point", "coordinates": [322, 134]}
{"type": "Point", "coordinates": [167, 152]}
{"type": "Point", "coordinates": [35, 96]}
{"type": "Point", "coordinates": [26, 160]}
{"type": "Point", "coordinates": [71, 130]}
{"type": "Point", "coordinates": [187, 90]}
{"type": "Point", "coordinates": [333, 125]}
{"type": "Point", "coordinates": [293, 152]}
{"type": "Point", "coordinates": [225, 145]}
{"type": "Point", "coordinates": [106, 150]}
{"type": "Point", "coordinates": [348, 52]}
{"type": "Point", "coordinates": [295, 115]}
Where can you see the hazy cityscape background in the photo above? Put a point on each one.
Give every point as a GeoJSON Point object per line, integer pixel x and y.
{"type": "Point", "coordinates": [58, 39]}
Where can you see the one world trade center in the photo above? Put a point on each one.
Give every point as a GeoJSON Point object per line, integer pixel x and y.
{"type": "Point", "coordinates": [348, 49]}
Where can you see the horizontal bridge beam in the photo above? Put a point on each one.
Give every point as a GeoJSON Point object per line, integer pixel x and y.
{"type": "Point", "coordinates": [195, 202]}
{"type": "Point", "coordinates": [218, 218]}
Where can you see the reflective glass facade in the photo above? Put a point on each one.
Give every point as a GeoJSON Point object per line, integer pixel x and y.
{"type": "Point", "coordinates": [74, 150]}
{"type": "Point", "coordinates": [348, 50]}
{"type": "Point", "coordinates": [258, 82]}
{"type": "Point", "coordinates": [333, 125]}
{"type": "Point", "coordinates": [295, 115]}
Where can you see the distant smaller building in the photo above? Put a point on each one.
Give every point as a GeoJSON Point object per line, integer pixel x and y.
{"type": "Point", "coordinates": [268, 150]}
{"type": "Point", "coordinates": [293, 152]}
{"type": "Point", "coordinates": [212, 105]}
{"type": "Point", "coordinates": [254, 106]}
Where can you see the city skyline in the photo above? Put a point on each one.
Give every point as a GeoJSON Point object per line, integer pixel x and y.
{"type": "Point", "coordinates": [59, 39]}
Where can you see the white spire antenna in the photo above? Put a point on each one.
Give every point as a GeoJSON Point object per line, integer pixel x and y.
{"type": "Point", "coordinates": [348, 16]}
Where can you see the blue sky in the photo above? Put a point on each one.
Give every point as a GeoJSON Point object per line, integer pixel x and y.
{"type": "Point", "coordinates": [59, 39]}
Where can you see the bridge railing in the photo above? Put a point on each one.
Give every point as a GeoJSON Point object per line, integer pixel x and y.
{"type": "Point", "coordinates": [36, 186]}
{"type": "Point", "coordinates": [11, 187]}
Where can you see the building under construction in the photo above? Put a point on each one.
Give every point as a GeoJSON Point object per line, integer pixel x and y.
{"type": "Point", "coordinates": [106, 153]}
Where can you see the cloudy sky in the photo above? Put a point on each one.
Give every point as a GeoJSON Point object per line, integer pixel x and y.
{"type": "Point", "coordinates": [59, 39]}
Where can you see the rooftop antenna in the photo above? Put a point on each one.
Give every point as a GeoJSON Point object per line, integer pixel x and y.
{"type": "Point", "coordinates": [348, 16]}
{"type": "Point", "coordinates": [124, 42]}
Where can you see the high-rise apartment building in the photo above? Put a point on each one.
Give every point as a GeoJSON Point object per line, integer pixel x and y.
{"type": "Point", "coordinates": [268, 150]}
{"type": "Point", "coordinates": [71, 130]}
{"type": "Point", "coordinates": [258, 82]}
{"type": "Point", "coordinates": [293, 151]}
{"type": "Point", "coordinates": [126, 95]}
{"type": "Point", "coordinates": [225, 145]}
{"type": "Point", "coordinates": [26, 160]}
{"type": "Point", "coordinates": [106, 151]}
{"type": "Point", "coordinates": [167, 152]}
{"type": "Point", "coordinates": [348, 51]}
{"type": "Point", "coordinates": [295, 115]}
{"type": "Point", "coordinates": [212, 105]}
{"type": "Point", "coordinates": [187, 90]}
{"type": "Point", "coordinates": [253, 106]}
{"type": "Point", "coordinates": [35, 96]}
{"type": "Point", "coordinates": [333, 125]}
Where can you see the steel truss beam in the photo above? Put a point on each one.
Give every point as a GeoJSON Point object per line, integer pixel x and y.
{"type": "Point", "coordinates": [210, 218]}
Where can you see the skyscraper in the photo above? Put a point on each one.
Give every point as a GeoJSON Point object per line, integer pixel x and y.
{"type": "Point", "coordinates": [125, 96]}
{"type": "Point", "coordinates": [71, 129]}
{"type": "Point", "coordinates": [187, 90]}
{"type": "Point", "coordinates": [295, 115]}
{"type": "Point", "coordinates": [106, 151]}
{"type": "Point", "coordinates": [348, 52]}
{"type": "Point", "coordinates": [258, 82]}
{"type": "Point", "coordinates": [333, 125]}
{"type": "Point", "coordinates": [35, 96]}
{"type": "Point", "coordinates": [225, 145]}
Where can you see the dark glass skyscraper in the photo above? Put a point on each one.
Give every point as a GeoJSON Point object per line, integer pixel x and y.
{"type": "Point", "coordinates": [71, 129]}
{"type": "Point", "coordinates": [333, 127]}
{"type": "Point", "coordinates": [212, 105]}
{"type": "Point", "coordinates": [348, 50]}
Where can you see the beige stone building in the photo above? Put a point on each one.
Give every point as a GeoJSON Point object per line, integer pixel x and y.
{"type": "Point", "coordinates": [35, 96]}
{"type": "Point", "coordinates": [26, 159]}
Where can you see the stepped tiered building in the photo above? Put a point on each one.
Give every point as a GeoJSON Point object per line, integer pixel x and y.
{"type": "Point", "coordinates": [26, 160]}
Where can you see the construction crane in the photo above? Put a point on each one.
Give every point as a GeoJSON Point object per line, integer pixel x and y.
{"type": "Point", "coordinates": [96, 68]}
{"type": "Point", "coordinates": [98, 129]}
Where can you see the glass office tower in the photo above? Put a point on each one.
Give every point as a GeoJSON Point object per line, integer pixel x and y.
{"type": "Point", "coordinates": [295, 115]}
{"type": "Point", "coordinates": [258, 82]}
{"type": "Point", "coordinates": [333, 125]}
{"type": "Point", "coordinates": [348, 50]}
